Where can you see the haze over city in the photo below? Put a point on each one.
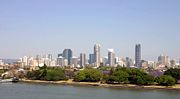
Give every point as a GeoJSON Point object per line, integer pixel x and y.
{"type": "Point", "coordinates": [89, 49]}
{"type": "Point", "coordinates": [43, 27]}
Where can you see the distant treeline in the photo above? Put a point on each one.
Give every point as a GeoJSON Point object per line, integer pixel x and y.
{"type": "Point", "coordinates": [119, 75]}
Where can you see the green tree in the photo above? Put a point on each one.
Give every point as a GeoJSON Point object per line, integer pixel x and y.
{"type": "Point", "coordinates": [88, 75]}
{"type": "Point", "coordinates": [34, 75]}
{"type": "Point", "coordinates": [173, 72]}
{"type": "Point", "coordinates": [43, 72]}
{"type": "Point", "coordinates": [136, 76]}
{"type": "Point", "coordinates": [165, 80]}
{"type": "Point", "coordinates": [55, 75]}
{"type": "Point", "coordinates": [47, 73]}
{"type": "Point", "coordinates": [144, 80]}
{"type": "Point", "coordinates": [80, 76]}
{"type": "Point", "coordinates": [119, 76]}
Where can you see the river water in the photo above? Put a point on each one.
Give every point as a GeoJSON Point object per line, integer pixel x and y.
{"type": "Point", "coordinates": [50, 91]}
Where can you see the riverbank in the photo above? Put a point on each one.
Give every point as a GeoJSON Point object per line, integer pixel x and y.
{"type": "Point", "coordinates": [71, 82]}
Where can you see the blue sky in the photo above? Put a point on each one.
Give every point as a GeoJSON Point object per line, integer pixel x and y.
{"type": "Point", "coordinates": [30, 27]}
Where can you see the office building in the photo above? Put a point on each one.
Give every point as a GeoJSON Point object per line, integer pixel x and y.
{"type": "Point", "coordinates": [163, 60]}
{"type": "Point", "coordinates": [74, 61]}
{"type": "Point", "coordinates": [82, 59]}
{"type": "Point", "coordinates": [67, 54]}
{"type": "Point", "coordinates": [138, 56]}
{"type": "Point", "coordinates": [97, 55]}
{"type": "Point", "coordinates": [91, 59]}
{"type": "Point", "coordinates": [111, 57]}
{"type": "Point", "coordinates": [129, 62]}
{"type": "Point", "coordinates": [60, 61]}
{"type": "Point", "coordinates": [105, 63]}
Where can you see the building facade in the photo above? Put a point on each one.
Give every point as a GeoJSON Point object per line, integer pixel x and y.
{"type": "Point", "coordinates": [138, 56]}
{"type": "Point", "coordinates": [67, 54]}
{"type": "Point", "coordinates": [97, 55]}
{"type": "Point", "coordinates": [163, 60]}
{"type": "Point", "coordinates": [82, 59]}
{"type": "Point", "coordinates": [111, 57]}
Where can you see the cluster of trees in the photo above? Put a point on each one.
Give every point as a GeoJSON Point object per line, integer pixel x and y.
{"type": "Point", "coordinates": [130, 75]}
{"type": "Point", "coordinates": [88, 75]}
{"type": "Point", "coordinates": [165, 80]}
{"type": "Point", "coordinates": [117, 75]}
{"type": "Point", "coordinates": [121, 75]}
{"type": "Point", "coordinates": [47, 73]}
{"type": "Point", "coordinates": [173, 72]}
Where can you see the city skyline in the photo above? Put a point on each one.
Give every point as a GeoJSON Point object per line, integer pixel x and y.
{"type": "Point", "coordinates": [51, 27]}
{"type": "Point", "coordinates": [66, 58]}
{"type": "Point", "coordinates": [95, 54]}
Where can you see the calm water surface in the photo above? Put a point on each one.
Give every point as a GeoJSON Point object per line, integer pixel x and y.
{"type": "Point", "coordinates": [49, 91]}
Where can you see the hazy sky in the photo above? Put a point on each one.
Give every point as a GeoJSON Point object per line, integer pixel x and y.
{"type": "Point", "coordinates": [30, 27]}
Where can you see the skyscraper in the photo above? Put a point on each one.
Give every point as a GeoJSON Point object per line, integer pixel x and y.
{"type": "Point", "coordinates": [60, 61]}
{"type": "Point", "coordinates": [163, 60]}
{"type": "Point", "coordinates": [138, 56]}
{"type": "Point", "coordinates": [129, 62]}
{"type": "Point", "coordinates": [74, 61]}
{"type": "Point", "coordinates": [111, 57]}
{"type": "Point", "coordinates": [91, 59]}
{"type": "Point", "coordinates": [67, 54]}
{"type": "Point", "coordinates": [97, 55]}
{"type": "Point", "coordinates": [82, 59]}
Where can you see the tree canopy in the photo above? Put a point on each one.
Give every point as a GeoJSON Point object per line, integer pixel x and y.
{"type": "Point", "coordinates": [175, 73]}
{"type": "Point", "coordinates": [88, 75]}
{"type": "Point", "coordinates": [165, 80]}
{"type": "Point", "coordinates": [49, 74]}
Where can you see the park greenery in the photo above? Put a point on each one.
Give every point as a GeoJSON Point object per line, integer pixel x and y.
{"type": "Point", "coordinates": [88, 75]}
{"type": "Point", "coordinates": [122, 75]}
{"type": "Point", "coordinates": [165, 80]}
{"type": "Point", "coordinates": [130, 75]}
{"type": "Point", "coordinates": [174, 72]}
{"type": "Point", "coordinates": [118, 75]}
{"type": "Point", "coordinates": [47, 73]}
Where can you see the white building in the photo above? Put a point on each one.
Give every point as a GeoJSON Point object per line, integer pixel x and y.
{"type": "Point", "coordinates": [1, 63]}
{"type": "Point", "coordinates": [25, 61]}
{"type": "Point", "coordinates": [74, 61]}
{"type": "Point", "coordinates": [111, 57]}
{"type": "Point", "coordinates": [60, 61]}
{"type": "Point", "coordinates": [97, 55]}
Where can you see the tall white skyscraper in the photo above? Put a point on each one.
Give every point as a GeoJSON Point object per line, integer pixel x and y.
{"type": "Point", "coordinates": [111, 57]}
{"type": "Point", "coordinates": [97, 55]}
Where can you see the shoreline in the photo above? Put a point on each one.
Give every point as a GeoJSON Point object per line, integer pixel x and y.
{"type": "Point", "coordinates": [98, 84]}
